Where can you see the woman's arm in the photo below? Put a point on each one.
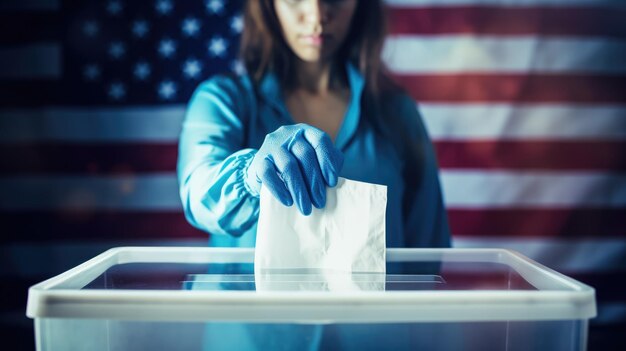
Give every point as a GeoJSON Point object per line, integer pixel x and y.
{"type": "Point", "coordinates": [212, 162]}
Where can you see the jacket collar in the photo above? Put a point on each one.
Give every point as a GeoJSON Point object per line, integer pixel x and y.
{"type": "Point", "coordinates": [270, 90]}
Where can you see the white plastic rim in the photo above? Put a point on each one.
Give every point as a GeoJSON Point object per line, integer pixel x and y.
{"type": "Point", "coordinates": [557, 297]}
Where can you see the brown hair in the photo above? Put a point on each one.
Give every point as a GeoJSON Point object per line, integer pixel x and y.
{"type": "Point", "coordinates": [263, 47]}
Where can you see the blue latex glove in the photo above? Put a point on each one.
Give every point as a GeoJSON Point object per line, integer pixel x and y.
{"type": "Point", "coordinates": [296, 163]}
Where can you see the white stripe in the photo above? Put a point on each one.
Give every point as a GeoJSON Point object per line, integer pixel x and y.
{"type": "Point", "coordinates": [508, 3]}
{"type": "Point", "coordinates": [99, 124]}
{"type": "Point", "coordinates": [506, 121]}
{"type": "Point", "coordinates": [29, 5]}
{"type": "Point", "coordinates": [462, 189]}
{"type": "Point", "coordinates": [31, 61]}
{"type": "Point", "coordinates": [564, 255]}
{"type": "Point", "coordinates": [520, 54]}
{"type": "Point", "coordinates": [501, 189]}
{"type": "Point", "coordinates": [443, 121]}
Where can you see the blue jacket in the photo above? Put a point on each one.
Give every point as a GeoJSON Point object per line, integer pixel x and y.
{"type": "Point", "coordinates": [226, 123]}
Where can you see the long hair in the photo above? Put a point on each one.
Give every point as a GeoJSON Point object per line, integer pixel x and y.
{"type": "Point", "coordinates": [263, 48]}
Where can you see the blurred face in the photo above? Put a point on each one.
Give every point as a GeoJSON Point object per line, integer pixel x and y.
{"type": "Point", "coordinates": [315, 29]}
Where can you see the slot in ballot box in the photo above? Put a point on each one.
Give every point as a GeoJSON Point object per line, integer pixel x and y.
{"type": "Point", "coordinates": [177, 298]}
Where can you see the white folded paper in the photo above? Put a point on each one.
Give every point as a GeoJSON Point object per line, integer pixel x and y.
{"type": "Point", "coordinates": [346, 236]}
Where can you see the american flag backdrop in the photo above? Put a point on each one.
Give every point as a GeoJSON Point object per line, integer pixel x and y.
{"type": "Point", "coordinates": [525, 101]}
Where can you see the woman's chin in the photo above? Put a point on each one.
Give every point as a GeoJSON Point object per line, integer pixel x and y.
{"type": "Point", "coordinates": [313, 56]}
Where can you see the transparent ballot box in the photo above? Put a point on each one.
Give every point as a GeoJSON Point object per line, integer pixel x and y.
{"type": "Point", "coordinates": [174, 298]}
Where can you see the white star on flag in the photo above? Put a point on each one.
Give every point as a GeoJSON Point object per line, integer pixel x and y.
{"type": "Point", "coordinates": [167, 48]}
{"type": "Point", "coordinates": [142, 70]}
{"type": "Point", "coordinates": [167, 89]}
{"type": "Point", "coordinates": [117, 50]}
{"type": "Point", "coordinates": [215, 6]}
{"type": "Point", "coordinates": [164, 7]}
{"type": "Point", "coordinates": [192, 68]}
{"type": "Point", "coordinates": [190, 26]}
{"type": "Point", "coordinates": [114, 8]}
{"type": "Point", "coordinates": [117, 91]}
{"type": "Point", "coordinates": [237, 67]}
{"type": "Point", "coordinates": [91, 72]}
{"type": "Point", "coordinates": [236, 24]}
{"type": "Point", "coordinates": [91, 28]}
{"type": "Point", "coordinates": [217, 46]}
{"type": "Point", "coordinates": [140, 28]}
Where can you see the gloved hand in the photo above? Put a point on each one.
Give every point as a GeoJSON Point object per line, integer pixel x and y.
{"type": "Point", "coordinates": [296, 163]}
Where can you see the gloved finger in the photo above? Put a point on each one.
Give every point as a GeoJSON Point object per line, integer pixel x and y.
{"type": "Point", "coordinates": [330, 159]}
{"type": "Point", "coordinates": [291, 174]}
{"type": "Point", "coordinates": [304, 153]}
{"type": "Point", "coordinates": [270, 178]}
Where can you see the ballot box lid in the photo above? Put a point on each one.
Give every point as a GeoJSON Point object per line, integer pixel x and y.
{"type": "Point", "coordinates": [219, 284]}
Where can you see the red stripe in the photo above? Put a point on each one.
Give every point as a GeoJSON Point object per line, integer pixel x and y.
{"type": "Point", "coordinates": [42, 226]}
{"type": "Point", "coordinates": [129, 158]}
{"type": "Point", "coordinates": [535, 154]}
{"type": "Point", "coordinates": [34, 226]}
{"type": "Point", "coordinates": [91, 159]}
{"type": "Point", "coordinates": [544, 223]}
{"type": "Point", "coordinates": [531, 88]}
{"type": "Point", "coordinates": [494, 20]}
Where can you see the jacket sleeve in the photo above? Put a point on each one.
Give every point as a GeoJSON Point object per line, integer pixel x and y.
{"type": "Point", "coordinates": [426, 221]}
{"type": "Point", "coordinates": [212, 162]}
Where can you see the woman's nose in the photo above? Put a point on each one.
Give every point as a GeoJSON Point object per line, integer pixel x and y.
{"type": "Point", "coordinates": [316, 12]}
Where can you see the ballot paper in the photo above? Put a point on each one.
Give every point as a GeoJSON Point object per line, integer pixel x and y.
{"type": "Point", "coordinates": [344, 239]}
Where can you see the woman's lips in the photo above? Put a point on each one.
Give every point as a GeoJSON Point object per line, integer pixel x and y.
{"type": "Point", "coordinates": [315, 39]}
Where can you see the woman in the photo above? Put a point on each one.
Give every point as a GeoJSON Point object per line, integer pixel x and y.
{"type": "Point", "coordinates": [314, 105]}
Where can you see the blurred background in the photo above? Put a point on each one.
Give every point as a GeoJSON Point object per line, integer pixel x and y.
{"type": "Point", "coordinates": [525, 101]}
